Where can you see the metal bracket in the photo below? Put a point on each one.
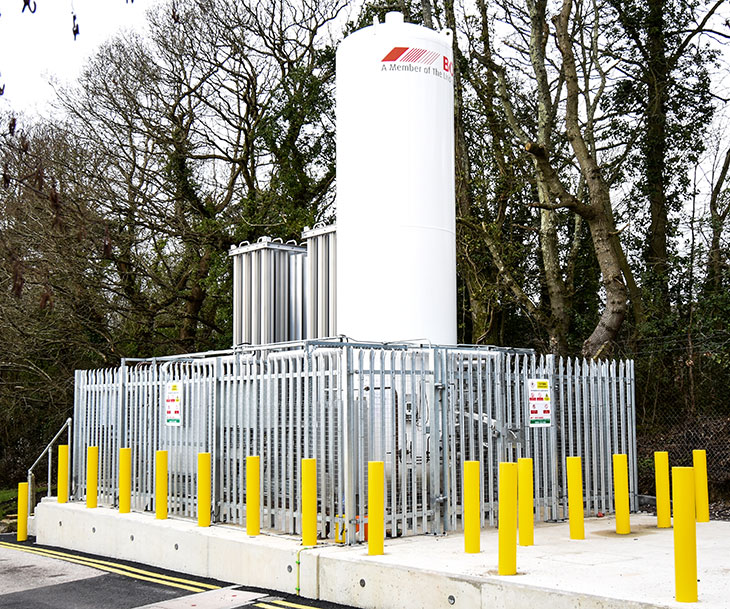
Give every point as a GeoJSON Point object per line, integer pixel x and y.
{"type": "Point", "coordinates": [514, 435]}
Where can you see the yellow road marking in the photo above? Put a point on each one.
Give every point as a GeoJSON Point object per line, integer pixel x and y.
{"type": "Point", "coordinates": [288, 604]}
{"type": "Point", "coordinates": [55, 553]}
{"type": "Point", "coordinates": [120, 570]}
{"type": "Point", "coordinates": [267, 606]}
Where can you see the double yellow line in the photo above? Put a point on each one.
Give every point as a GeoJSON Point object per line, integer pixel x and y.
{"type": "Point", "coordinates": [113, 567]}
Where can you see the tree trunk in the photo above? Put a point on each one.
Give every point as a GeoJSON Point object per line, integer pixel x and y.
{"type": "Point", "coordinates": [559, 310]}
{"type": "Point", "coordinates": [614, 312]}
{"type": "Point", "coordinates": [657, 75]}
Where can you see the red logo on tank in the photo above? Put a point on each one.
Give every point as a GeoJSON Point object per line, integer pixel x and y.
{"type": "Point", "coordinates": [412, 55]}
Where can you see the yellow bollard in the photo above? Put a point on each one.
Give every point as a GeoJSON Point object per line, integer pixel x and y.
{"type": "Point", "coordinates": [702, 503]}
{"type": "Point", "coordinates": [526, 501]}
{"type": "Point", "coordinates": [621, 494]}
{"type": "Point", "coordinates": [92, 476]}
{"type": "Point", "coordinates": [309, 502]}
{"type": "Point", "coordinates": [62, 479]}
{"type": "Point", "coordinates": [685, 534]}
{"type": "Point", "coordinates": [204, 484]}
{"type": "Point", "coordinates": [376, 507]}
{"type": "Point", "coordinates": [661, 477]}
{"type": "Point", "coordinates": [22, 511]}
{"type": "Point", "coordinates": [575, 498]}
{"type": "Point", "coordinates": [507, 519]}
{"type": "Point", "coordinates": [125, 480]}
{"type": "Point", "coordinates": [472, 505]}
{"type": "Point", "coordinates": [253, 495]}
{"type": "Point", "coordinates": [161, 485]}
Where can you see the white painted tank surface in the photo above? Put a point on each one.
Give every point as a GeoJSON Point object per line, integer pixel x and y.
{"type": "Point", "coordinates": [396, 244]}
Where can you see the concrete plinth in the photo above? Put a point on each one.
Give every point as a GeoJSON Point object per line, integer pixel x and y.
{"type": "Point", "coordinates": [605, 570]}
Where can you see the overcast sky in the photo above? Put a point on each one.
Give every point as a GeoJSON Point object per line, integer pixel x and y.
{"type": "Point", "coordinates": [38, 49]}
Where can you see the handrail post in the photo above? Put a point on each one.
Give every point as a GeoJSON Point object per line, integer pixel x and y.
{"type": "Point", "coordinates": [50, 471]}
{"type": "Point", "coordinates": [47, 450]}
{"type": "Point", "coordinates": [31, 492]}
{"type": "Point", "coordinates": [70, 455]}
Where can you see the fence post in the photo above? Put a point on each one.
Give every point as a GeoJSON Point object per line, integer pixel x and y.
{"type": "Point", "coordinates": [349, 445]}
{"type": "Point", "coordinates": [436, 401]}
{"type": "Point", "coordinates": [121, 427]}
{"type": "Point", "coordinates": [215, 451]}
{"type": "Point", "coordinates": [661, 479]}
{"type": "Point", "coordinates": [553, 431]}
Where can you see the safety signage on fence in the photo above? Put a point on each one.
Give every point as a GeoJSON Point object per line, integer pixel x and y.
{"type": "Point", "coordinates": [173, 404]}
{"type": "Point", "coordinates": [539, 403]}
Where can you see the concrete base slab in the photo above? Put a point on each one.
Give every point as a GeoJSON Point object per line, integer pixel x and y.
{"type": "Point", "coordinates": [604, 571]}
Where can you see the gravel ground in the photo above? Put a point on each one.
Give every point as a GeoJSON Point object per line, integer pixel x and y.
{"type": "Point", "coordinates": [719, 510]}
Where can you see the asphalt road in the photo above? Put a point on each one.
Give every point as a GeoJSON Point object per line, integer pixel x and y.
{"type": "Point", "coordinates": [40, 577]}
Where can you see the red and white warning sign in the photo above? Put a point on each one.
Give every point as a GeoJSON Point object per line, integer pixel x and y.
{"type": "Point", "coordinates": [173, 404]}
{"type": "Point", "coordinates": [539, 403]}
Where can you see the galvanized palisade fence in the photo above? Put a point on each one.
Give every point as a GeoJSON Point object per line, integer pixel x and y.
{"type": "Point", "coordinates": [422, 410]}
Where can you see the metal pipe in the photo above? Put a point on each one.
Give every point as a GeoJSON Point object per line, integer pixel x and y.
{"type": "Point", "coordinates": [50, 444]}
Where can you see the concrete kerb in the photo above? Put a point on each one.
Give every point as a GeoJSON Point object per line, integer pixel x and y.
{"type": "Point", "coordinates": [604, 571]}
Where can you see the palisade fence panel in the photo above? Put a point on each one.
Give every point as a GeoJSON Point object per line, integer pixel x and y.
{"type": "Point", "coordinates": [423, 411]}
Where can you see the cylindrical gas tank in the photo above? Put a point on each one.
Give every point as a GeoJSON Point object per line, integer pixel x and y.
{"type": "Point", "coordinates": [396, 243]}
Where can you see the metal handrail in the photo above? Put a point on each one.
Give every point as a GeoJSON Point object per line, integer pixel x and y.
{"type": "Point", "coordinates": [47, 450]}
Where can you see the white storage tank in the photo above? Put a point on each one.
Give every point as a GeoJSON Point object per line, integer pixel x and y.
{"type": "Point", "coordinates": [396, 243]}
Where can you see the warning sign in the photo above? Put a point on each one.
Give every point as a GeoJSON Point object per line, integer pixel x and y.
{"type": "Point", "coordinates": [173, 404]}
{"type": "Point", "coordinates": [539, 403]}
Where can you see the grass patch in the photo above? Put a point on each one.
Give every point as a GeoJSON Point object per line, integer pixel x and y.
{"type": "Point", "coordinates": [8, 501]}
